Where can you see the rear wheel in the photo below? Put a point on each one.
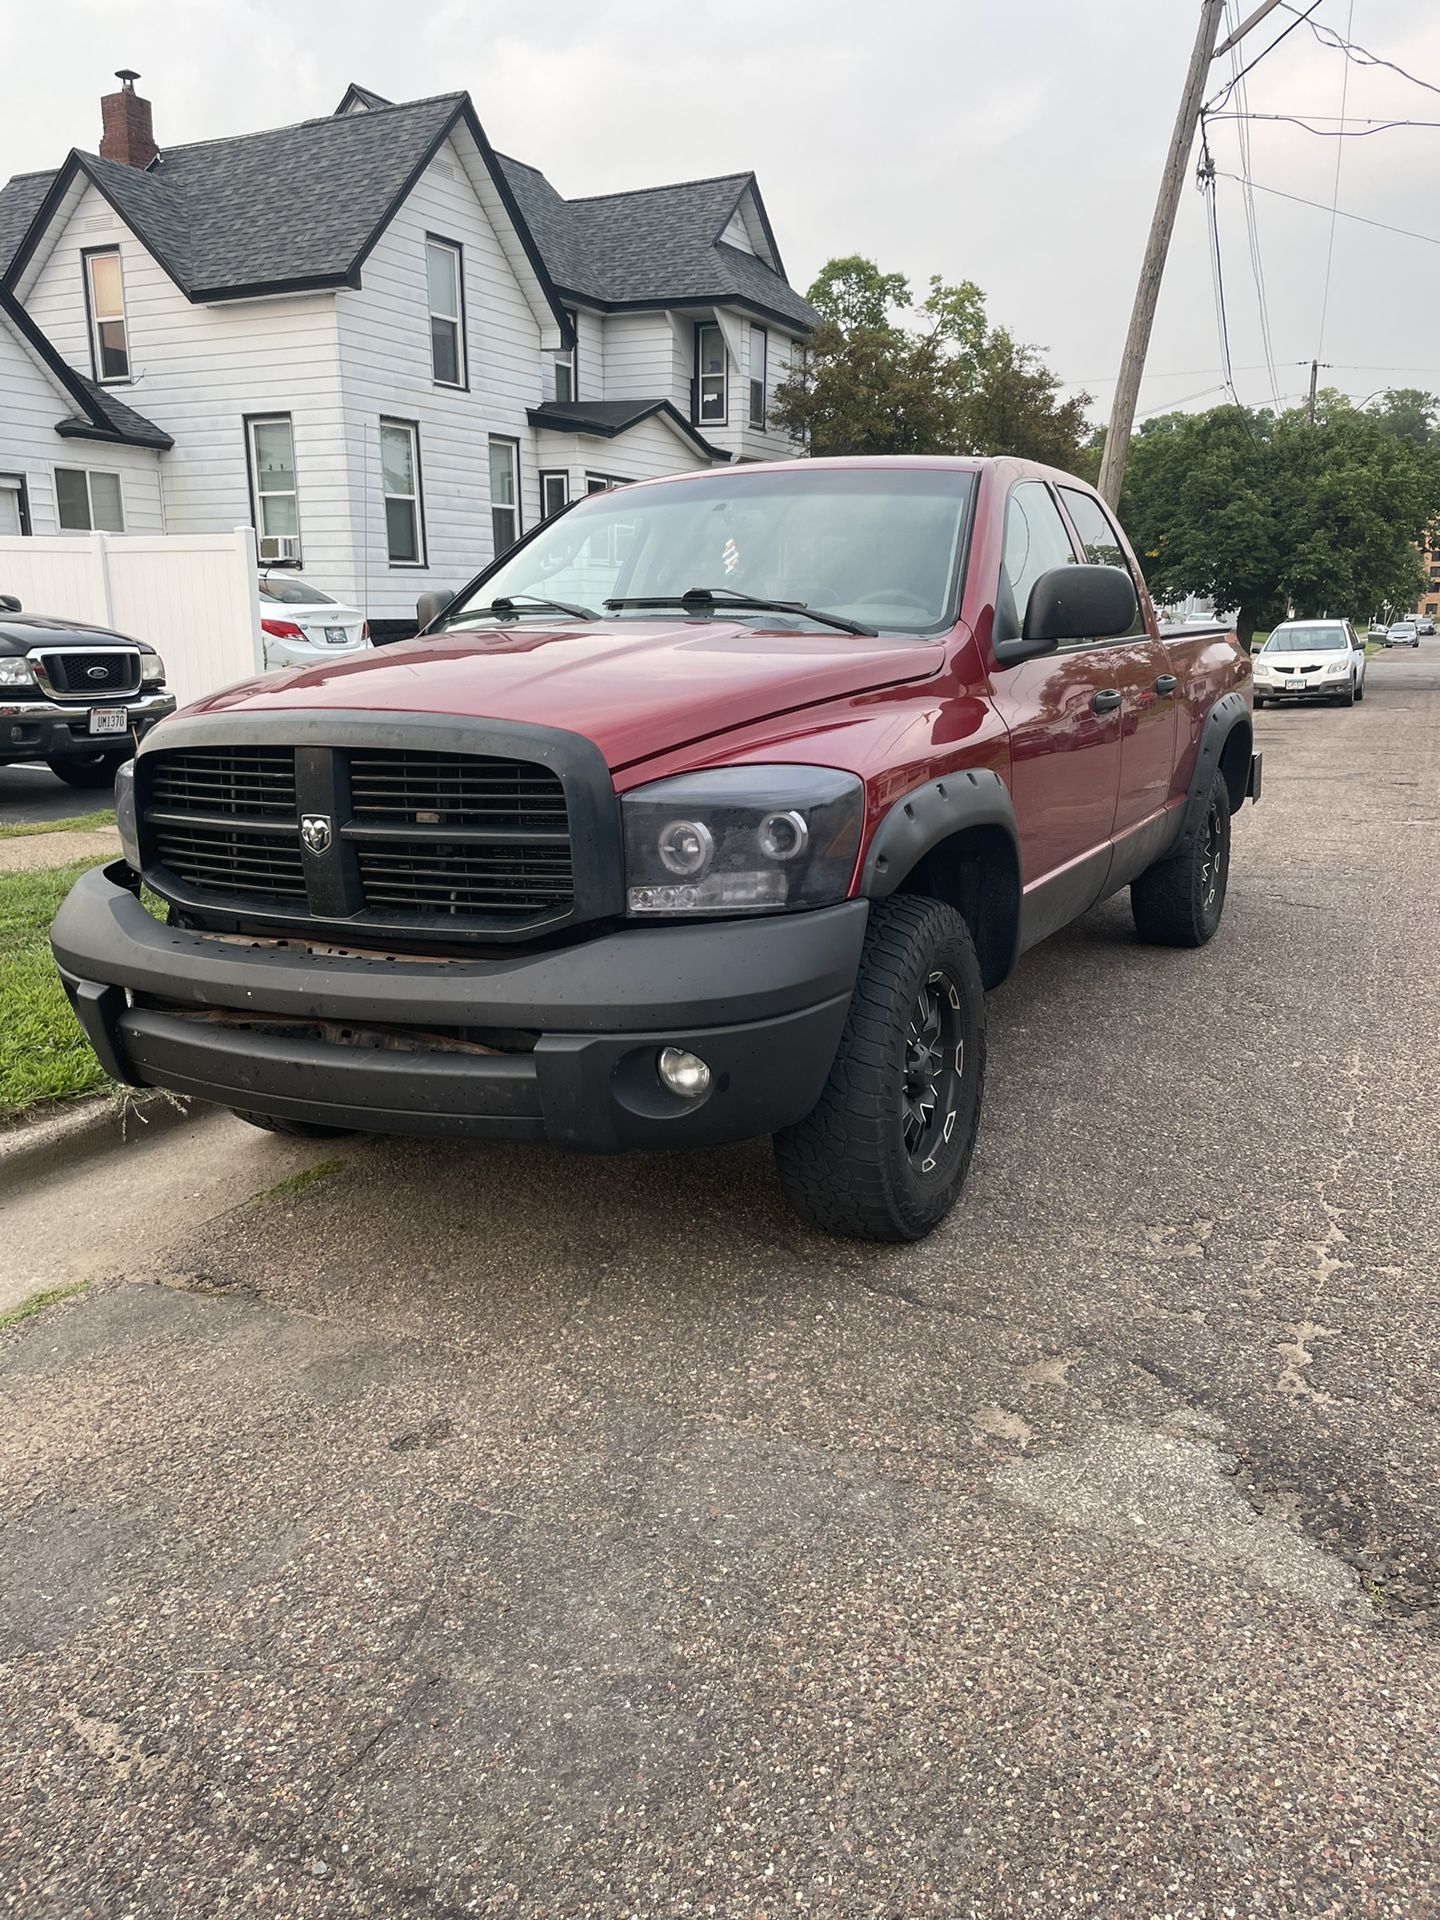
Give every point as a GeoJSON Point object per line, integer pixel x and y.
{"type": "Point", "coordinates": [88, 769]}
{"type": "Point", "coordinates": [885, 1151]}
{"type": "Point", "coordinates": [305, 1129]}
{"type": "Point", "coordinates": [1178, 902]}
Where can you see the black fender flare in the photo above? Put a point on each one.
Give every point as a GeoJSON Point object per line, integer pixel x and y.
{"type": "Point", "coordinates": [928, 816]}
{"type": "Point", "coordinates": [1231, 710]}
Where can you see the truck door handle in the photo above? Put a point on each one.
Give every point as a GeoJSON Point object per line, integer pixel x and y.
{"type": "Point", "coordinates": [1106, 700]}
{"type": "Point", "coordinates": [1166, 683]}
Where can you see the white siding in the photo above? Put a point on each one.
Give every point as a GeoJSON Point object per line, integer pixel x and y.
{"type": "Point", "coordinates": [737, 234]}
{"type": "Point", "coordinates": [199, 370]}
{"type": "Point", "coordinates": [384, 342]}
{"type": "Point", "coordinates": [648, 451]}
{"type": "Point", "coordinates": [645, 360]}
{"type": "Point", "coordinates": [30, 405]}
{"type": "Point", "coordinates": [747, 442]}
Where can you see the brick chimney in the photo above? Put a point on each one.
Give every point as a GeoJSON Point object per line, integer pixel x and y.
{"type": "Point", "coordinates": [128, 135]}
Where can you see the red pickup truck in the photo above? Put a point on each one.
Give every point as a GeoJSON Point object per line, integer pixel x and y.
{"type": "Point", "coordinates": [711, 810]}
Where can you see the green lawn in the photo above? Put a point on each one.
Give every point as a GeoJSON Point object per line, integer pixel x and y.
{"type": "Point", "coordinates": [43, 1053]}
{"type": "Point", "coordinates": [79, 823]}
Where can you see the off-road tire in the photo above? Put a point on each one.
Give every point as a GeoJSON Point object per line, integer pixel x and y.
{"type": "Point", "coordinates": [1178, 902]}
{"type": "Point", "coordinates": [305, 1129]}
{"type": "Point", "coordinates": [88, 769]}
{"type": "Point", "coordinates": [845, 1168]}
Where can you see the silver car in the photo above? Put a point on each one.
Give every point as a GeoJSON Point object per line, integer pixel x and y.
{"type": "Point", "coordinates": [1404, 633]}
{"type": "Point", "coordinates": [1316, 658]}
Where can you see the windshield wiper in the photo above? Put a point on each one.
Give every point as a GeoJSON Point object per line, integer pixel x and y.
{"type": "Point", "coordinates": [707, 599]}
{"type": "Point", "coordinates": [508, 607]}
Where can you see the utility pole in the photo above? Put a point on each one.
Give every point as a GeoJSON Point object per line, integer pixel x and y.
{"type": "Point", "coordinates": [1314, 378]}
{"type": "Point", "coordinates": [1162, 225]}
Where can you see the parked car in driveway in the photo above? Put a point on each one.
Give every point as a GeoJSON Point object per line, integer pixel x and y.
{"type": "Point", "coordinates": [1403, 633]}
{"type": "Point", "coordinates": [302, 627]}
{"type": "Point", "coordinates": [711, 809]}
{"type": "Point", "coordinates": [1312, 659]}
{"type": "Point", "coordinates": [79, 698]}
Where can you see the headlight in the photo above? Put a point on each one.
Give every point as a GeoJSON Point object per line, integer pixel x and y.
{"type": "Point", "coordinates": [741, 840]}
{"type": "Point", "coordinates": [16, 672]}
{"type": "Point", "coordinates": [1337, 668]}
{"type": "Point", "coordinates": [152, 670]}
{"type": "Point", "coordinates": [125, 818]}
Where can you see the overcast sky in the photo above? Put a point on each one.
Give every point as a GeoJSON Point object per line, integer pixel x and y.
{"type": "Point", "coordinates": [1015, 144]}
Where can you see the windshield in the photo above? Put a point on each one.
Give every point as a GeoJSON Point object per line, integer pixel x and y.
{"type": "Point", "coordinates": [1307, 640]}
{"type": "Point", "coordinates": [880, 547]}
{"type": "Point", "coordinates": [295, 593]}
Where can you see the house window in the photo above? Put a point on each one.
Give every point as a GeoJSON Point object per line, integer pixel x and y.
{"type": "Point", "coordinates": [400, 484]}
{"type": "Point", "coordinates": [276, 504]}
{"type": "Point", "coordinates": [759, 364]}
{"type": "Point", "coordinates": [603, 482]}
{"type": "Point", "coordinates": [504, 494]}
{"type": "Point", "coordinates": [444, 275]}
{"type": "Point", "coordinates": [89, 502]}
{"type": "Point", "coordinates": [105, 297]}
{"type": "Point", "coordinates": [554, 493]}
{"type": "Point", "coordinates": [567, 364]}
{"type": "Point", "coordinates": [14, 504]}
{"type": "Point", "coordinates": [711, 376]}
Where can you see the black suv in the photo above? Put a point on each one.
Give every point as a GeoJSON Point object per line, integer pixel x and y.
{"type": "Point", "coordinates": [79, 698]}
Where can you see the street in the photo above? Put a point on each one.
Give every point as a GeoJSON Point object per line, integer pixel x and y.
{"type": "Point", "coordinates": [401, 1528]}
{"type": "Point", "coordinates": [29, 793]}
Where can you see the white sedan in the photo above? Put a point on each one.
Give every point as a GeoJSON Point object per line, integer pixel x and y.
{"type": "Point", "coordinates": [302, 627]}
{"type": "Point", "coordinates": [1315, 657]}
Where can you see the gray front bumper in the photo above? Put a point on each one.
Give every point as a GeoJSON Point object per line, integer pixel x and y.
{"type": "Point", "coordinates": [762, 1001]}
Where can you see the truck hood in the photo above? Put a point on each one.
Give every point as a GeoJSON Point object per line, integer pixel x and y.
{"type": "Point", "coordinates": [635, 688]}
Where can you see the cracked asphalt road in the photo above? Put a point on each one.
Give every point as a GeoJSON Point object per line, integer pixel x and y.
{"type": "Point", "coordinates": [484, 1532]}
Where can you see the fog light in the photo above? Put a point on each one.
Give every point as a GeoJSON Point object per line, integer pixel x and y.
{"type": "Point", "coordinates": [684, 1073]}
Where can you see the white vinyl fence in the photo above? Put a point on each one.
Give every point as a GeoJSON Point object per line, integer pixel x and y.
{"type": "Point", "coordinates": [192, 596]}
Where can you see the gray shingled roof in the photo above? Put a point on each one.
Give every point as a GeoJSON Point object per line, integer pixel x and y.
{"type": "Point", "coordinates": [122, 420]}
{"type": "Point", "coordinates": [653, 247]}
{"type": "Point", "coordinates": [607, 418]}
{"type": "Point", "coordinates": [19, 203]}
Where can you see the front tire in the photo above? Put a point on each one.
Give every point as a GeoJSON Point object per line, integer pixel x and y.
{"type": "Point", "coordinates": [884, 1153]}
{"type": "Point", "coordinates": [1178, 902]}
{"type": "Point", "coordinates": [87, 769]}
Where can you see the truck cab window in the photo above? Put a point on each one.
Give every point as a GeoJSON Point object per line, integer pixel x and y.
{"type": "Point", "coordinates": [1036, 539]}
{"type": "Point", "coordinates": [1101, 543]}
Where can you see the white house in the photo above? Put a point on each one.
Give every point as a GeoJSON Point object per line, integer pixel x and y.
{"type": "Point", "coordinates": [389, 347]}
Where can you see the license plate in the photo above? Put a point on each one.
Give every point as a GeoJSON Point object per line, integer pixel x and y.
{"type": "Point", "coordinates": [109, 720]}
{"type": "Point", "coordinates": [336, 636]}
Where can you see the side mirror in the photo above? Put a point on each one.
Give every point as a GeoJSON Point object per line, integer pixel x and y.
{"type": "Point", "coordinates": [1072, 603]}
{"type": "Point", "coordinates": [9, 604]}
{"type": "Point", "coordinates": [434, 600]}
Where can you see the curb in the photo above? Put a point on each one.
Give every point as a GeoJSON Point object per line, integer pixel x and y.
{"type": "Point", "coordinates": [30, 1149]}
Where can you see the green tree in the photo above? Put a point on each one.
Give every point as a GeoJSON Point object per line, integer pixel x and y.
{"type": "Point", "coordinates": [1264, 512]}
{"type": "Point", "coordinates": [883, 374]}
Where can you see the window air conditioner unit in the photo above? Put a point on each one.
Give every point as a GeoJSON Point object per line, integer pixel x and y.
{"type": "Point", "coordinates": [279, 546]}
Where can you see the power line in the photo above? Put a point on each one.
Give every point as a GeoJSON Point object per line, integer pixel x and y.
{"type": "Point", "coordinates": [1335, 193]}
{"type": "Point", "coordinates": [1322, 206]}
{"type": "Point", "coordinates": [1354, 130]}
{"type": "Point", "coordinates": [1354, 53]}
{"type": "Point", "coordinates": [1235, 79]}
{"type": "Point", "coordinates": [1252, 224]}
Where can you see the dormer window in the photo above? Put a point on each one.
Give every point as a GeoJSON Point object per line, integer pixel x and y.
{"type": "Point", "coordinates": [712, 395]}
{"type": "Point", "coordinates": [567, 386]}
{"type": "Point", "coordinates": [105, 298]}
{"type": "Point", "coordinates": [444, 280]}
